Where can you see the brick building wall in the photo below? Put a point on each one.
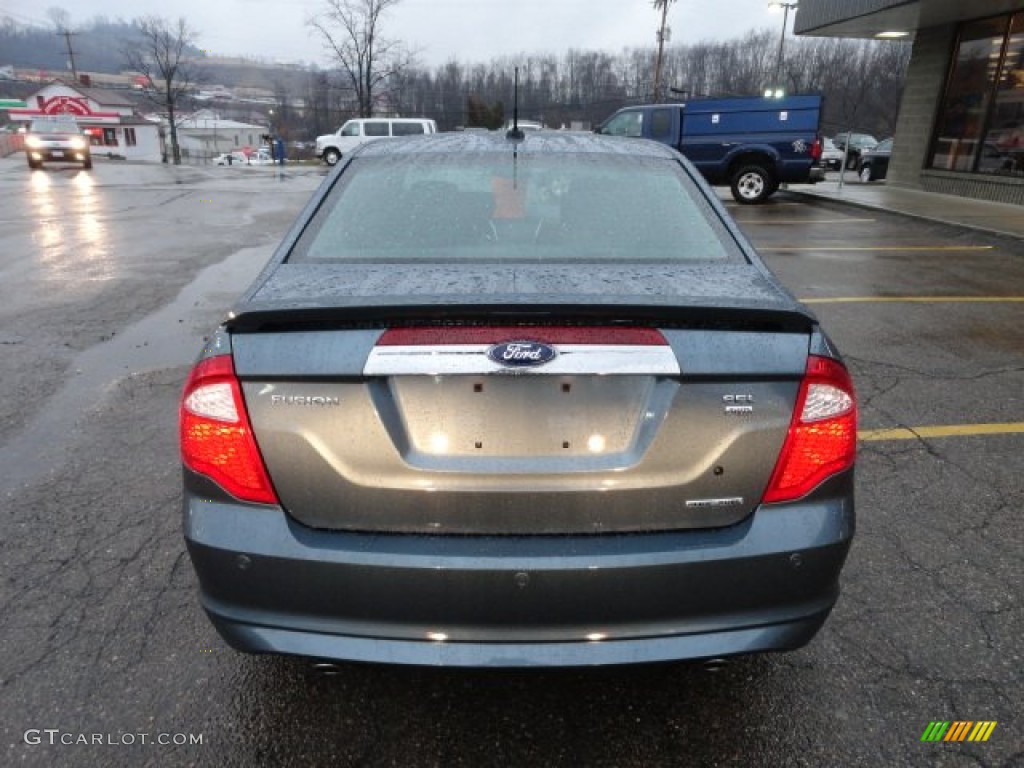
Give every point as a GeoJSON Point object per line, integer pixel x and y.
{"type": "Point", "coordinates": [922, 95]}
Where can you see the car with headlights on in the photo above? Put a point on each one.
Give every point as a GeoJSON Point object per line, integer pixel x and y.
{"type": "Point", "coordinates": [507, 401]}
{"type": "Point", "coordinates": [56, 139]}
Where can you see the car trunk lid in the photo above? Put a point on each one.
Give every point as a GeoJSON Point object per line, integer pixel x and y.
{"type": "Point", "coordinates": [381, 402]}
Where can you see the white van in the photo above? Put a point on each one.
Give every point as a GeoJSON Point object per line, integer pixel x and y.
{"type": "Point", "coordinates": [356, 132]}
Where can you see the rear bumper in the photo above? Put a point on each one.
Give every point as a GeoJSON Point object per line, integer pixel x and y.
{"type": "Point", "coordinates": [817, 174]}
{"type": "Point", "coordinates": [271, 585]}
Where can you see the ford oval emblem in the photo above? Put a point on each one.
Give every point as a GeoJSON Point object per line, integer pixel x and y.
{"type": "Point", "coordinates": [522, 354]}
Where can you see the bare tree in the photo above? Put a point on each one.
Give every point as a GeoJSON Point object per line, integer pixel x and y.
{"type": "Point", "coordinates": [59, 17]}
{"type": "Point", "coordinates": [160, 54]}
{"type": "Point", "coordinates": [351, 32]}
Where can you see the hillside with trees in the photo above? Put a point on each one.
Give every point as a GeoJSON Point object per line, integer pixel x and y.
{"type": "Point", "coordinates": [861, 80]}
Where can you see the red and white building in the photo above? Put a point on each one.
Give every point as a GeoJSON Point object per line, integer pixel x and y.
{"type": "Point", "coordinates": [108, 118]}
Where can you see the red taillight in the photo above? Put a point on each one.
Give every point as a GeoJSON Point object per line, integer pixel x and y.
{"type": "Point", "coordinates": [816, 149]}
{"type": "Point", "coordinates": [216, 438]}
{"type": "Point", "coordinates": [822, 437]}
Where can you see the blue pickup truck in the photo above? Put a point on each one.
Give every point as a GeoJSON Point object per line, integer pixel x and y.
{"type": "Point", "coordinates": [751, 144]}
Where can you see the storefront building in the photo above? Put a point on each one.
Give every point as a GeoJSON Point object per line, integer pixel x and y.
{"type": "Point", "coordinates": [205, 135]}
{"type": "Point", "coordinates": [108, 118]}
{"type": "Point", "coordinates": [961, 123]}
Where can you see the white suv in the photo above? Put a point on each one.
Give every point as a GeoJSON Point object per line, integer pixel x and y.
{"type": "Point", "coordinates": [356, 132]}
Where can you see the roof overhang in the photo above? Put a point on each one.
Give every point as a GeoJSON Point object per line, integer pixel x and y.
{"type": "Point", "coordinates": [873, 18]}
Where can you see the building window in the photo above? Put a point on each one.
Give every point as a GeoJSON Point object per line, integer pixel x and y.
{"type": "Point", "coordinates": [129, 137]}
{"type": "Point", "coordinates": [980, 128]}
{"type": "Point", "coordinates": [109, 137]}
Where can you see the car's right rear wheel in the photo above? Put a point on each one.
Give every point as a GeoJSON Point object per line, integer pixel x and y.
{"type": "Point", "coordinates": [865, 174]}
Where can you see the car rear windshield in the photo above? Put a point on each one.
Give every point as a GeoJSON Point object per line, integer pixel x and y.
{"type": "Point", "coordinates": [539, 207]}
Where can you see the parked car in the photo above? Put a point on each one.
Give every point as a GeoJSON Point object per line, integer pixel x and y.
{"type": "Point", "coordinates": [858, 143]}
{"type": "Point", "coordinates": [261, 157]}
{"type": "Point", "coordinates": [874, 162]}
{"type": "Point", "coordinates": [360, 130]}
{"type": "Point", "coordinates": [56, 139]}
{"type": "Point", "coordinates": [503, 402]}
{"type": "Point", "coordinates": [238, 157]}
{"type": "Point", "coordinates": [231, 158]}
{"type": "Point", "coordinates": [525, 125]}
{"type": "Point", "coordinates": [831, 155]}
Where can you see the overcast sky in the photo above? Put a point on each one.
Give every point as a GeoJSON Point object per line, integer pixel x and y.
{"type": "Point", "coordinates": [469, 30]}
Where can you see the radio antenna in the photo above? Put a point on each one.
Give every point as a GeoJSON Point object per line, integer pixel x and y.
{"type": "Point", "coordinates": [515, 133]}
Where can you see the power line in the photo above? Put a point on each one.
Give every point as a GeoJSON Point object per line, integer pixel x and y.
{"type": "Point", "coordinates": [23, 19]}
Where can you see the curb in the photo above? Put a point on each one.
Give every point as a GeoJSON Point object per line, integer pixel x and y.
{"type": "Point", "coordinates": [911, 214]}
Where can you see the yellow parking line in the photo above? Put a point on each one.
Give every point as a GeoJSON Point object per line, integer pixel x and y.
{"type": "Point", "coordinates": [883, 248]}
{"type": "Point", "coordinates": [954, 430]}
{"type": "Point", "coordinates": [915, 300]}
{"type": "Point", "coordinates": [805, 221]}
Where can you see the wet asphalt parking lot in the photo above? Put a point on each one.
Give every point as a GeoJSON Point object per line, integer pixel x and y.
{"type": "Point", "coordinates": [110, 279]}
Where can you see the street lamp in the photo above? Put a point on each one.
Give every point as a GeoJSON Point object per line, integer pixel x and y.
{"type": "Point", "coordinates": [786, 7]}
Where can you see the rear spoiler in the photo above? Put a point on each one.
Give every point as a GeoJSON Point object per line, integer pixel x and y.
{"type": "Point", "coordinates": [253, 318]}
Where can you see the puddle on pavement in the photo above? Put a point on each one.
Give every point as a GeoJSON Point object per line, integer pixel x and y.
{"type": "Point", "coordinates": [168, 338]}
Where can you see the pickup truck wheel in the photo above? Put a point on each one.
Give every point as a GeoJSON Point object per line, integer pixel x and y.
{"type": "Point", "coordinates": [752, 184]}
{"type": "Point", "coordinates": [332, 156]}
{"type": "Point", "coordinates": [865, 174]}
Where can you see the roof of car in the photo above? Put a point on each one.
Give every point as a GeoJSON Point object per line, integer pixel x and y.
{"type": "Point", "coordinates": [559, 142]}
{"type": "Point", "coordinates": [61, 122]}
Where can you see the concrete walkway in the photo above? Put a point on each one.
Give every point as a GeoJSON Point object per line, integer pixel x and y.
{"type": "Point", "coordinates": [998, 218]}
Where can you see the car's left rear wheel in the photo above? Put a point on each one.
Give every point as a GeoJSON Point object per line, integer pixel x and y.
{"type": "Point", "coordinates": [865, 174]}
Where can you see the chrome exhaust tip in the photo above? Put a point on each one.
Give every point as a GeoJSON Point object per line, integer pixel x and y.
{"type": "Point", "coordinates": [325, 668]}
{"type": "Point", "coordinates": [715, 665]}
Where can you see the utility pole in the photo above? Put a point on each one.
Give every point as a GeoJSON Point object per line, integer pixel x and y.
{"type": "Point", "coordinates": [663, 5]}
{"type": "Point", "coordinates": [71, 53]}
